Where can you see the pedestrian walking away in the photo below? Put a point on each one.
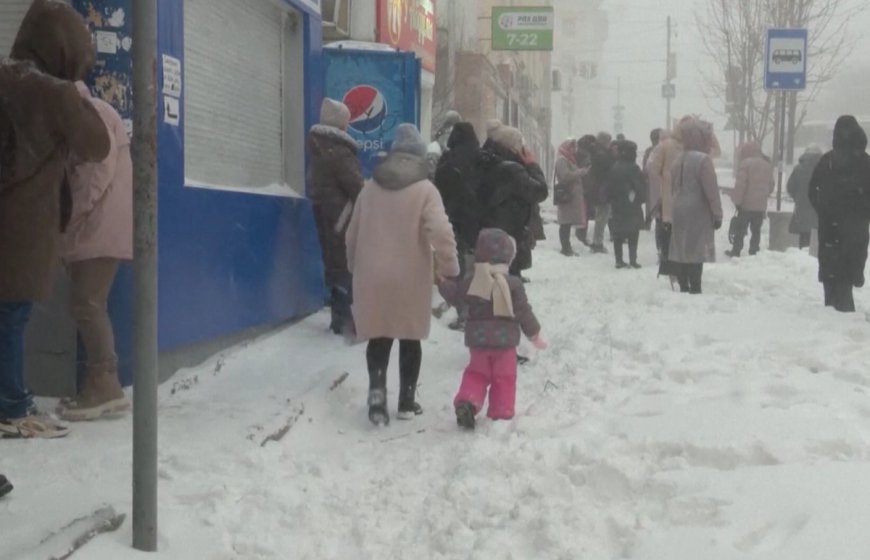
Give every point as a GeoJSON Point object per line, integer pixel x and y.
{"type": "Point", "coordinates": [839, 193]}
{"type": "Point", "coordinates": [499, 312]}
{"type": "Point", "coordinates": [99, 237]}
{"type": "Point", "coordinates": [805, 219]}
{"type": "Point", "coordinates": [696, 209]}
{"type": "Point", "coordinates": [458, 181]}
{"type": "Point", "coordinates": [752, 189]}
{"type": "Point", "coordinates": [335, 181]}
{"type": "Point", "coordinates": [45, 124]}
{"type": "Point", "coordinates": [627, 193]}
{"type": "Point", "coordinates": [603, 159]}
{"type": "Point", "coordinates": [512, 184]}
{"type": "Point", "coordinates": [568, 195]}
{"type": "Point", "coordinates": [398, 220]}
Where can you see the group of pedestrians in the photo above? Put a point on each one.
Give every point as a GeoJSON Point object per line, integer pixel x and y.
{"type": "Point", "coordinates": [65, 198]}
{"type": "Point", "coordinates": [598, 176]}
{"type": "Point", "coordinates": [386, 243]}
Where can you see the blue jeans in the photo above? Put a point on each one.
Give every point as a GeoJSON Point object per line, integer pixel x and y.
{"type": "Point", "coordinates": [15, 400]}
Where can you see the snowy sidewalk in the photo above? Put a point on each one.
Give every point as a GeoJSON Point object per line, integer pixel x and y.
{"type": "Point", "coordinates": [735, 425]}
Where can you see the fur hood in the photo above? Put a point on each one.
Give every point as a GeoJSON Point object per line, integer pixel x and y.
{"type": "Point", "coordinates": [400, 170]}
{"type": "Point", "coordinates": [331, 133]}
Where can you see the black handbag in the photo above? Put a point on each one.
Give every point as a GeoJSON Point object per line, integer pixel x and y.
{"type": "Point", "coordinates": [563, 194]}
{"type": "Point", "coordinates": [733, 228]}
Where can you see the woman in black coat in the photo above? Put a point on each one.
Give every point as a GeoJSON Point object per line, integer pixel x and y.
{"type": "Point", "coordinates": [511, 185]}
{"type": "Point", "coordinates": [626, 193]}
{"type": "Point", "coordinates": [840, 193]}
{"type": "Point", "coordinates": [458, 180]}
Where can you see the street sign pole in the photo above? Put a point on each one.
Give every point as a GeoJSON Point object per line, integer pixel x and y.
{"type": "Point", "coordinates": [781, 163]}
{"type": "Point", "coordinates": [785, 70]}
{"type": "Point", "coordinates": [144, 148]}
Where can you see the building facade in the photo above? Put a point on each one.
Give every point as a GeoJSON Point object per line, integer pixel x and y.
{"type": "Point", "coordinates": [238, 85]}
{"type": "Point", "coordinates": [483, 84]}
{"type": "Point", "coordinates": [581, 33]}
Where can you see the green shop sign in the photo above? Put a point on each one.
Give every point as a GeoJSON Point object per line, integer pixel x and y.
{"type": "Point", "coordinates": [522, 29]}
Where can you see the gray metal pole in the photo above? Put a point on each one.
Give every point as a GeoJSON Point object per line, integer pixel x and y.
{"type": "Point", "coordinates": [145, 271]}
{"type": "Point", "coordinates": [781, 163]}
{"type": "Point", "coordinates": [668, 72]}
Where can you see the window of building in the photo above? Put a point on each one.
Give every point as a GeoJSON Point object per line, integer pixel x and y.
{"type": "Point", "coordinates": [244, 96]}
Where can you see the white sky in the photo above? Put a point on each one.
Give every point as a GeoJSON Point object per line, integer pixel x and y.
{"type": "Point", "coordinates": [636, 52]}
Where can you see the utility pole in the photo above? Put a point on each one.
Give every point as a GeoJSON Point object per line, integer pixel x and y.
{"type": "Point", "coordinates": [669, 74]}
{"type": "Point", "coordinates": [145, 276]}
{"type": "Point", "coordinates": [619, 110]}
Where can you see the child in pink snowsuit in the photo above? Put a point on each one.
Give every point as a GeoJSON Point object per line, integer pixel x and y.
{"type": "Point", "coordinates": [498, 310]}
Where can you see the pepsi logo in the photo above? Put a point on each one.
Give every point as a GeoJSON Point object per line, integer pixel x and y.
{"type": "Point", "coordinates": [368, 108]}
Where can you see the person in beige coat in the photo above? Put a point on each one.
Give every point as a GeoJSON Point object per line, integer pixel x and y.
{"type": "Point", "coordinates": [99, 237]}
{"type": "Point", "coordinates": [398, 225]}
{"type": "Point", "coordinates": [659, 170]}
{"type": "Point", "coordinates": [752, 189]}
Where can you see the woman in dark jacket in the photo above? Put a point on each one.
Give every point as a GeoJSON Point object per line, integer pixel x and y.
{"type": "Point", "coordinates": [335, 181]}
{"type": "Point", "coordinates": [458, 179]}
{"type": "Point", "coordinates": [626, 192]}
{"type": "Point", "coordinates": [805, 219]}
{"type": "Point", "coordinates": [511, 185]}
{"type": "Point", "coordinates": [840, 193]}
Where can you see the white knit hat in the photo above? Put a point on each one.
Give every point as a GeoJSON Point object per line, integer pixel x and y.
{"type": "Point", "coordinates": [334, 113]}
{"type": "Point", "coordinates": [507, 136]}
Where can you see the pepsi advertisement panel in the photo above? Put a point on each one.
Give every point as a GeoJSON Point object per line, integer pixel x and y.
{"type": "Point", "coordinates": [380, 89]}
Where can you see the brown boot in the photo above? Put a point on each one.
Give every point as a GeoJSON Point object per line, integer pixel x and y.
{"type": "Point", "coordinates": [102, 397]}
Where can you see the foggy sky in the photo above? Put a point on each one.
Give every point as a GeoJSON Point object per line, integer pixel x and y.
{"type": "Point", "coordinates": [636, 49]}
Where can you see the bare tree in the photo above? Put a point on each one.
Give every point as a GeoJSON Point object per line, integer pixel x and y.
{"type": "Point", "coordinates": [734, 37]}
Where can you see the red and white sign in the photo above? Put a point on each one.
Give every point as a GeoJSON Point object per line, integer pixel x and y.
{"type": "Point", "coordinates": [410, 26]}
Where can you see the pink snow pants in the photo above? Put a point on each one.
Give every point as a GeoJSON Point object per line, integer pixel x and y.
{"type": "Point", "coordinates": [495, 370]}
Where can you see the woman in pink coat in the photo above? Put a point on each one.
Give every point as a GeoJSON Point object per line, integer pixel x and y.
{"type": "Point", "coordinates": [398, 223]}
{"type": "Point", "coordinates": [99, 236]}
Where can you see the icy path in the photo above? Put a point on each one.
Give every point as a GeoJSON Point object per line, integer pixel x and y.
{"type": "Point", "coordinates": [735, 425]}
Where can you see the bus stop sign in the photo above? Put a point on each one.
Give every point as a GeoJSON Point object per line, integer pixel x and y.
{"type": "Point", "coordinates": [785, 67]}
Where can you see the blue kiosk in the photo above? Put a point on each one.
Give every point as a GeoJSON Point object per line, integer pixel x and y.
{"type": "Point", "coordinates": [239, 84]}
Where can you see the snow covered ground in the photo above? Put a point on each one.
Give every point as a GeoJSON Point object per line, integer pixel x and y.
{"type": "Point", "coordinates": [733, 425]}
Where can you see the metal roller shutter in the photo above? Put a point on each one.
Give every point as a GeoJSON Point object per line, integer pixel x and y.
{"type": "Point", "coordinates": [11, 14]}
{"type": "Point", "coordinates": [233, 80]}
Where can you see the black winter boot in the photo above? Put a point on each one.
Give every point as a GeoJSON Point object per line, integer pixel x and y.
{"type": "Point", "coordinates": [465, 415]}
{"type": "Point", "coordinates": [5, 486]}
{"type": "Point", "coordinates": [410, 360]}
{"type": "Point", "coordinates": [377, 402]}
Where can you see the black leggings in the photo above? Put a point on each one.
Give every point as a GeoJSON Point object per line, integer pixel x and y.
{"type": "Point", "coordinates": [410, 360]}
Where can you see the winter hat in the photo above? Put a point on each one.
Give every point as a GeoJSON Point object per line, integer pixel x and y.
{"type": "Point", "coordinates": [408, 140]}
{"type": "Point", "coordinates": [848, 134]}
{"type": "Point", "coordinates": [334, 113]}
{"type": "Point", "coordinates": [626, 151]}
{"type": "Point", "coordinates": [495, 251]}
{"type": "Point", "coordinates": [56, 38]}
{"type": "Point", "coordinates": [508, 137]}
{"type": "Point", "coordinates": [814, 149]}
{"type": "Point", "coordinates": [494, 246]}
{"type": "Point", "coordinates": [491, 126]}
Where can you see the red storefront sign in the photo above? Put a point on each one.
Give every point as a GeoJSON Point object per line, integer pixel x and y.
{"type": "Point", "coordinates": [409, 25]}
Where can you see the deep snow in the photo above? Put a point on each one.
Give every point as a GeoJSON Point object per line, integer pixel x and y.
{"type": "Point", "coordinates": [734, 425]}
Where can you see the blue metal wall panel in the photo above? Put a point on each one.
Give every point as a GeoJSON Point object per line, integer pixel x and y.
{"type": "Point", "coordinates": [228, 261]}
